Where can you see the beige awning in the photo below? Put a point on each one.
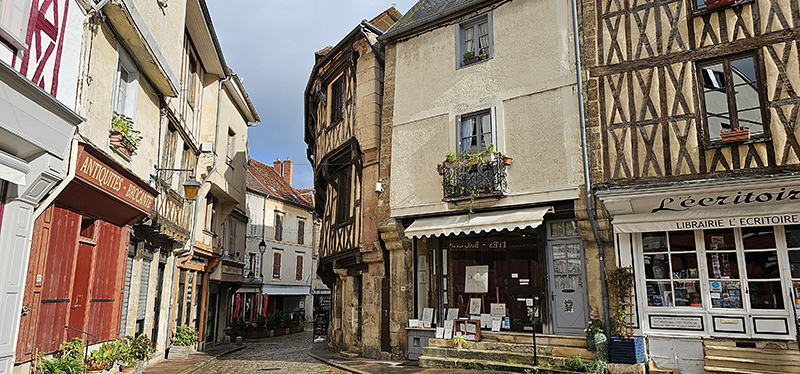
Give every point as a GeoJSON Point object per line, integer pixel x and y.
{"type": "Point", "coordinates": [478, 223]}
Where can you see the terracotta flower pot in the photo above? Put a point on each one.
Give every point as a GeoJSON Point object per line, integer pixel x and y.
{"type": "Point", "coordinates": [126, 368]}
{"type": "Point", "coordinates": [507, 160]}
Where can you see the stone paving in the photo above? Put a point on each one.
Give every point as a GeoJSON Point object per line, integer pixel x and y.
{"type": "Point", "coordinates": [287, 354]}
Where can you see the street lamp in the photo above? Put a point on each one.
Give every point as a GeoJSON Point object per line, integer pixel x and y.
{"type": "Point", "coordinates": [190, 186]}
{"type": "Point", "coordinates": [262, 247]}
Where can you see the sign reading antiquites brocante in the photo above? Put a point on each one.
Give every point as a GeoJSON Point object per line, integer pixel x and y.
{"type": "Point", "coordinates": [93, 171]}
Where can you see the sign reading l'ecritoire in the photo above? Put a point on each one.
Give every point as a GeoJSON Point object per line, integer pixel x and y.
{"type": "Point", "coordinates": [99, 174]}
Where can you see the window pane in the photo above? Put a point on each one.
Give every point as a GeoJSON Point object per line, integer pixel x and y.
{"type": "Point", "coordinates": [748, 105]}
{"type": "Point", "coordinates": [762, 265]}
{"type": "Point", "coordinates": [656, 266]}
{"type": "Point", "coordinates": [716, 100]}
{"type": "Point", "coordinates": [794, 263]}
{"type": "Point", "coordinates": [719, 239]}
{"type": "Point", "coordinates": [684, 266]}
{"type": "Point", "coordinates": [792, 236]}
{"type": "Point", "coordinates": [722, 265]}
{"type": "Point", "coordinates": [726, 294]}
{"type": "Point", "coordinates": [483, 29]}
{"type": "Point", "coordinates": [483, 43]}
{"type": "Point", "coordinates": [486, 124]}
{"type": "Point", "coordinates": [486, 139]}
{"type": "Point", "coordinates": [758, 237]}
{"type": "Point", "coordinates": [654, 241]}
{"type": "Point", "coordinates": [681, 241]}
{"type": "Point", "coordinates": [687, 294]}
{"type": "Point", "coordinates": [659, 294]}
{"type": "Point", "coordinates": [766, 295]}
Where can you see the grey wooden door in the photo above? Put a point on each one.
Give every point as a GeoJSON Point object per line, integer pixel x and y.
{"type": "Point", "coordinates": [567, 283]}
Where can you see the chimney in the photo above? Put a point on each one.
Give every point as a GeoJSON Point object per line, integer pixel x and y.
{"type": "Point", "coordinates": [287, 170]}
{"type": "Point", "coordinates": [278, 165]}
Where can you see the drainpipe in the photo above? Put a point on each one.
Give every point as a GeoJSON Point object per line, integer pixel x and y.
{"type": "Point", "coordinates": [587, 181]}
{"type": "Point", "coordinates": [196, 204]}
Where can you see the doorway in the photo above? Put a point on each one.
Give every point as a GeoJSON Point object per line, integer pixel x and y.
{"type": "Point", "coordinates": [568, 298]}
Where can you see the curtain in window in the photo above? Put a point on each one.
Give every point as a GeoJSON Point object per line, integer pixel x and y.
{"type": "Point", "coordinates": [483, 38]}
{"type": "Point", "coordinates": [469, 135]}
{"type": "Point", "coordinates": [469, 36]}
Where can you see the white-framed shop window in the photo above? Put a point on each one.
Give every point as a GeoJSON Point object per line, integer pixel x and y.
{"type": "Point", "coordinates": [14, 17]}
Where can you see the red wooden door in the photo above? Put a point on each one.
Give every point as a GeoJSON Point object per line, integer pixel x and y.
{"type": "Point", "coordinates": [58, 258]}
{"type": "Point", "coordinates": [103, 322]}
{"type": "Point", "coordinates": [79, 301]}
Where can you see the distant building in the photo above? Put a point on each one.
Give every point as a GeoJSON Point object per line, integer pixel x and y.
{"type": "Point", "coordinates": [280, 278]}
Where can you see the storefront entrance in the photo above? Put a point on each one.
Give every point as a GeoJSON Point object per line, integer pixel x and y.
{"type": "Point", "coordinates": [567, 286]}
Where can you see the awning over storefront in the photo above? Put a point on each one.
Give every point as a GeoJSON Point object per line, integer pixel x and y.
{"type": "Point", "coordinates": [477, 223]}
{"type": "Point", "coordinates": [13, 169]}
{"type": "Point", "coordinates": [281, 290]}
{"type": "Point", "coordinates": [705, 206]}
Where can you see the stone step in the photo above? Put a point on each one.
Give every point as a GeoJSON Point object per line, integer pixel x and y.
{"type": "Point", "coordinates": [484, 365]}
{"type": "Point", "coordinates": [541, 339]}
{"type": "Point", "coordinates": [727, 370]}
{"type": "Point", "coordinates": [777, 363]}
{"type": "Point", "coordinates": [498, 356]}
{"type": "Point", "coordinates": [760, 344]}
{"type": "Point", "coordinates": [750, 352]}
{"type": "Point", "coordinates": [490, 345]}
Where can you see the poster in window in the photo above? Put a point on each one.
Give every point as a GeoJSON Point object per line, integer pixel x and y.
{"type": "Point", "coordinates": [474, 306]}
{"type": "Point", "coordinates": [452, 313]}
{"type": "Point", "coordinates": [427, 317]}
{"type": "Point", "coordinates": [477, 279]}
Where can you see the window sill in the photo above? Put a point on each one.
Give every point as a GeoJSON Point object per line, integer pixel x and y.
{"type": "Point", "coordinates": [474, 61]}
{"type": "Point", "coordinates": [704, 11]}
{"type": "Point", "coordinates": [753, 140]}
{"type": "Point", "coordinates": [343, 224]}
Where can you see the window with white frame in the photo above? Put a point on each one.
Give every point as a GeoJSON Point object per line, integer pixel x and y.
{"type": "Point", "coordinates": [253, 223]}
{"type": "Point", "coordinates": [476, 131]}
{"type": "Point", "coordinates": [301, 231]}
{"type": "Point", "coordinates": [126, 85]}
{"type": "Point", "coordinates": [276, 264]}
{"type": "Point", "coordinates": [14, 16]}
{"type": "Point", "coordinates": [474, 40]}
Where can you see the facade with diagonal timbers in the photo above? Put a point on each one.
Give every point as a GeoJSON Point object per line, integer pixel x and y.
{"type": "Point", "coordinates": [693, 110]}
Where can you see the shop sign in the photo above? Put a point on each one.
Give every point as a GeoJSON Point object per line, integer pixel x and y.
{"type": "Point", "coordinates": [476, 244]}
{"type": "Point", "coordinates": [726, 200]}
{"type": "Point", "coordinates": [693, 323]}
{"type": "Point", "coordinates": [717, 223]}
{"type": "Point", "coordinates": [228, 269]}
{"type": "Point", "coordinates": [100, 175]}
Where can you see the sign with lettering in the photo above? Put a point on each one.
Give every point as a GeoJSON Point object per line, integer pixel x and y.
{"type": "Point", "coordinates": [725, 200]}
{"type": "Point", "coordinates": [102, 176]}
{"type": "Point", "coordinates": [691, 323]}
{"type": "Point", "coordinates": [717, 223]}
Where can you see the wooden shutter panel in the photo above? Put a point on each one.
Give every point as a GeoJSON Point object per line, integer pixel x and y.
{"type": "Point", "coordinates": [276, 265]}
{"type": "Point", "coordinates": [141, 308]}
{"type": "Point", "coordinates": [299, 269]}
{"type": "Point", "coordinates": [126, 294]}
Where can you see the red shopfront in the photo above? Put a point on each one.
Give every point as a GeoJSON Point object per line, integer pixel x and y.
{"type": "Point", "coordinates": [76, 273]}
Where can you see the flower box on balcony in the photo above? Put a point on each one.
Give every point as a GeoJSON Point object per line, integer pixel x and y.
{"type": "Point", "coordinates": [472, 176]}
{"type": "Point", "coordinates": [122, 136]}
{"type": "Point", "coordinates": [737, 134]}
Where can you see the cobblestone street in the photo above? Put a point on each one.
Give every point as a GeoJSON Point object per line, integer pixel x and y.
{"type": "Point", "coordinates": [282, 354]}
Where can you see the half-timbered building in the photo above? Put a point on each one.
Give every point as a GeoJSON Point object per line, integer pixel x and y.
{"type": "Point", "coordinates": [342, 130]}
{"type": "Point", "coordinates": [693, 110]}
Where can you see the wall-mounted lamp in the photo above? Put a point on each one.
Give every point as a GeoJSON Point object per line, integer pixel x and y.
{"type": "Point", "coordinates": [379, 186]}
{"type": "Point", "coordinates": [190, 186]}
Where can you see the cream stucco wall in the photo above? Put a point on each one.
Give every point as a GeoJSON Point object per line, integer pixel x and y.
{"type": "Point", "coordinates": [530, 82]}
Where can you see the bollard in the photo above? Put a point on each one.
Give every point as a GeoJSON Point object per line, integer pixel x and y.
{"type": "Point", "coordinates": [238, 340]}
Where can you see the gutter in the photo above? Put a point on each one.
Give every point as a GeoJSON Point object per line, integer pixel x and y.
{"type": "Point", "coordinates": [586, 174]}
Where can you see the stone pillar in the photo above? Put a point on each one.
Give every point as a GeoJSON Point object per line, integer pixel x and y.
{"type": "Point", "coordinates": [401, 279]}
{"type": "Point", "coordinates": [372, 310]}
{"type": "Point", "coordinates": [594, 274]}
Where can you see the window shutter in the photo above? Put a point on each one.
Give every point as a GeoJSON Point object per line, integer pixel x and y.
{"type": "Point", "coordinates": [126, 294]}
{"type": "Point", "coordinates": [301, 231]}
{"type": "Point", "coordinates": [14, 15]}
{"type": "Point", "coordinates": [278, 227]}
{"type": "Point", "coordinates": [458, 134]}
{"type": "Point", "coordinates": [141, 308]}
{"type": "Point", "coordinates": [299, 269]}
{"type": "Point", "coordinates": [493, 114]}
{"type": "Point", "coordinates": [276, 265]}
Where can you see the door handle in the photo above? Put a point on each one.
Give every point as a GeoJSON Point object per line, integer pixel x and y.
{"type": "Point", "coordinates": [552, 295]}
{"type": "Point", "coordinates": [75, 306]}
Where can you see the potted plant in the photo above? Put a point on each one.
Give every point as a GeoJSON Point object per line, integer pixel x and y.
{"type": "Point", "coordinates": [624, 347]}
{"type": "Point", "coordinates": [183, 338]}
{"type": "Point", "coordinates": [459, 341]}
{"type": "Point", "coordinates": [104, 357]}
{"type": "Point", "coordinates": [67, 360]}
{"type": "Point", "coordinates": [122, 136]}
{"type": "Point", "coordinates": [592, 328]}
{"type": "Point", "coordinates": [715, 4]}
{"type": "Point", "coordinates": [735, 134]}
{"type": "Point", "coordinates": [469, 58]}
{"type": "Point", "coordinates": [141, 348]}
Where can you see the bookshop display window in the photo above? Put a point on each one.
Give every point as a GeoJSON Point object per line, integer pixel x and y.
{"type": "Point", "coordinates": [502, 269]}
{"type": "Point", "coordinates": [711, 270]}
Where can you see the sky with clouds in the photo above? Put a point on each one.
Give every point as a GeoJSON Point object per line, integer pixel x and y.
{"type": "Point", "coordinates": [270, 44]}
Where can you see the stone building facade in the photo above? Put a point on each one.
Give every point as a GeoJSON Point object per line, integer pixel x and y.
{"type": "Point", "coordinates": [282, 219]}
{"type": "Point", "coordinates": [344, 137]}
{"type": "Point", "coordinates": [693, 113]}
{"type": "Point", "coordinates": [130, 68]}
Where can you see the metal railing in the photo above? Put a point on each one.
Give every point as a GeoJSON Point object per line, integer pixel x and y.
{"type": "Point", "coordinates": [483, 180]}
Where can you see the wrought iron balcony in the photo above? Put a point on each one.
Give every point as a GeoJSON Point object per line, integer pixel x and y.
{"type": "Point", "coordinates": [487, 179]}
